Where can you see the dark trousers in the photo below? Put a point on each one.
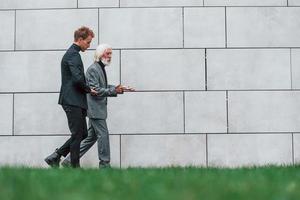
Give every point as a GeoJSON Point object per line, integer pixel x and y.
{"type": "Point", "coordinates": [77, 125]}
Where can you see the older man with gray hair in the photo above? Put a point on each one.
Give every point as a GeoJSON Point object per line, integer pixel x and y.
{"type": "Point", "coordinates": [97, 106]}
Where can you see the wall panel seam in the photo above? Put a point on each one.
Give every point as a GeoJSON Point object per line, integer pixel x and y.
{"type": "Point", "coordinates": [291, 69]}
{"type": "Point", "coordinates": [293, 152]}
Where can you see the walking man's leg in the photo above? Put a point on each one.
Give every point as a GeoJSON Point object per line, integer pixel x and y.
{"type": "Point", "coordinates": [85, 145]}
{"type": "Point", "coordinates": [101, 130]}
{"type": "Point", "coordinates": [77, 126]}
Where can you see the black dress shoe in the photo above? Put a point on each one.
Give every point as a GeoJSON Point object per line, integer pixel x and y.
{"type": "Point", "coordinates": [53, 160]}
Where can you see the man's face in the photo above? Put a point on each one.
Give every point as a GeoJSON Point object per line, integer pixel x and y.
{"type": "Point", "coordinates": [85, 44]}
{"type": "Point", "coordinates": [106, 58]}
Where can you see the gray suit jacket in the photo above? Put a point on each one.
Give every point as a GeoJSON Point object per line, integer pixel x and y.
{"type": "Point", "coordinates": [97, 105]}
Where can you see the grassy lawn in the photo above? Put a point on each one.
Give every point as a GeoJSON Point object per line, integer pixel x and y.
{"type": "Point", "coordinates": [162, 183]}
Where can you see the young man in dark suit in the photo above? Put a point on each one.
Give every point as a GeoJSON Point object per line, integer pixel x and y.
{"type": "Point", "coordinates": [73, 97]}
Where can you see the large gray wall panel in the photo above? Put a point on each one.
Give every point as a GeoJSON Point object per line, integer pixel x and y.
{"type": "Point", "coordinates": [163, 150]}
{"type": "Point", "coordinates": [6, 114]}
{"type": "Point", "coordinates": [231, 69]}
{"type": "Point", "coordinates": [27, 150]}
{"type": "Point", "coordinates": [39, 114]}
{"type": "Point", "coordinates": [32, 150]}
{"type": "Point", "coordinates": [141, 28]}
{"type": "Point", "coordinates": [164, 69]}
{"type": "Point", "coordinates": [37, 71]}
{"type": "Point", "coordinates": [263, 27]}
{"type": "Point", "coordinates": [146, 112]}
{"type": "Point", "coordinates": [98, 3]}
{"type": "Point", "coordinates": [204, 27]}
{"type": "Point", "coordinates": [52, 29]}
{"type": "Point", "coordinates": [295, 57]}
{"type": "Point", "coordinates": [245, 2]}
{"type": "Point", "coordinates": [235, 150]}
{"type": "Point", "coordinates": [29, 4]}
{"type": "Point", "coordinates": [7, 34]}
{"type": "Point", "coordinates": [140, 3]}
{"type": "Point", "coordinates": [205, 112]}
{"type": "Point", "coordinates": [294, 2]}
{"type": "Point", "coordinates": [264, 111]}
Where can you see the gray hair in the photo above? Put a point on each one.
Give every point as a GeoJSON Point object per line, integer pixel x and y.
{"type": "Point", "coordinates": [100, 51]}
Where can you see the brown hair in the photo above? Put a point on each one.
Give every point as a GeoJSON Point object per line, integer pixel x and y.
{"type": "Point", "coordinates": [83, 32]}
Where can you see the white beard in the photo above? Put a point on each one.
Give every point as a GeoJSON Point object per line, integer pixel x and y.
{"type": "Point", "coordinates": [105, 62]}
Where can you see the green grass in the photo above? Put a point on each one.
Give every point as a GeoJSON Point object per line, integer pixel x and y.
{"type": "Point", "coordinates": [275, 183]}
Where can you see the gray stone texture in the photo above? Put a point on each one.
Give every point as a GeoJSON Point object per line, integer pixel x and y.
{"type": "Point", "coordinates": [245, 2]}
{"type": "Point", "coordinates": [145, 3]}
{"type": "Point", "coordinates": [236, 150]}
{"type": "Point", "coordinates": [98, 3]}
{"type": "Point", "coordinates": [295, 68]}
{"type": "Point", "coordinates": [53, 29]}
{"type": "Point", "coordinates": [141, 27]}
{"type": "Point", "coordinates": [294, 2]}
{"type": "Point", "coordinates": [7, 34]}
{"type": "Point", "coordinates": [163, 150]}
{"type": "Point", "coordinates": [39, 71]}
{"type": "Point", "coordinates": [178, 69]}
{"type": "Point", "coordinates": [264, 111]}
{"type": "Point", "coordinates": [146, 112]}
{"type": "Point", "coordinates": [199, 67]}
{"type": "Point", "coordinates": [32, 4]}
{"type": "Point", "coordinates": [32, 150]}
{"type": "Point", "coordinates": [263, 26]}
{"type": "Point", "coordinates": [6, 114]}
{"type": "Point", "coordinates": [204, 27]}
{"type": "Point", "coordinates": [39, 114]}
{"type": "Point", "coordinates": [205, 112]}
{"type": "Point", "coordinates": [242, 69]}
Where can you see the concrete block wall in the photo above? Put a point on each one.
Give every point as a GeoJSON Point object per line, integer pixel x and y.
{"type": "Point", "coordinates": [217, 80]}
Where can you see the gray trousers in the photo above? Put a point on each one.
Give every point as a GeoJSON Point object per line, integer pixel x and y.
{"type": "Point", "coordinates": [97, 131]}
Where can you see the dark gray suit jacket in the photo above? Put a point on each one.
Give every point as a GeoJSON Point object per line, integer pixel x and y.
{"type": "Point", "coordinates": [97, 105]}
{"type": "Point", "coordinates": [73, 84]}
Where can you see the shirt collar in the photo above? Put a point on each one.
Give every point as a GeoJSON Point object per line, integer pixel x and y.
{"type": "Point", "coordinates": [76, 47]}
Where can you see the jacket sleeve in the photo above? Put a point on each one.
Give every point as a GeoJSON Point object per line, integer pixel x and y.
{"type": "Point", "coordinates": [93, 81]}
{"type": "Point", "coordinates": [77, 74]}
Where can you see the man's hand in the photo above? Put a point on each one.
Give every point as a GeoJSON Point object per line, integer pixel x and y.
{"type": "Point", "coordinates": [127, 89]}
{"type": "Point", "coordinates": [119, 89]}
{"type": "Point", "coordinates": [93, 92]}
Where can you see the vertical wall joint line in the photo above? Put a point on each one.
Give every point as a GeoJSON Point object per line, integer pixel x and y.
{"type": "Point", "coordinates": [120, 69]}
{"type": "Point", "coordinates": [206, 140]}
{"type": "Point", "coordinates": [183, 99]}
{"type": "Point", "coordinates": [13, 115]}
{"type": "Point", "coordinates": [227, 120]}
{"type": "Point", "coordinates": [225, 27]}
{"type": "Point", "coordinates": [15, 32]}
{"type": "Point", "coordinates": [293, 153]}
{"type": "Point", "coordinates": [120, 151]}
{"type": "Point", "coordinates": [98, 26]}
{"type": "Point", "coordinates": [119, 3]}
{"type": "Point", "coordinates": [287, 2]}
{"type": "Point", "coordinates": [77, 3]}
{"type": "Point", "coordinates": [182, 27]}
{"type": "Point", "coordinates": [291, 68]}
{"type": "Point", "coordinates": [205, 66]}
